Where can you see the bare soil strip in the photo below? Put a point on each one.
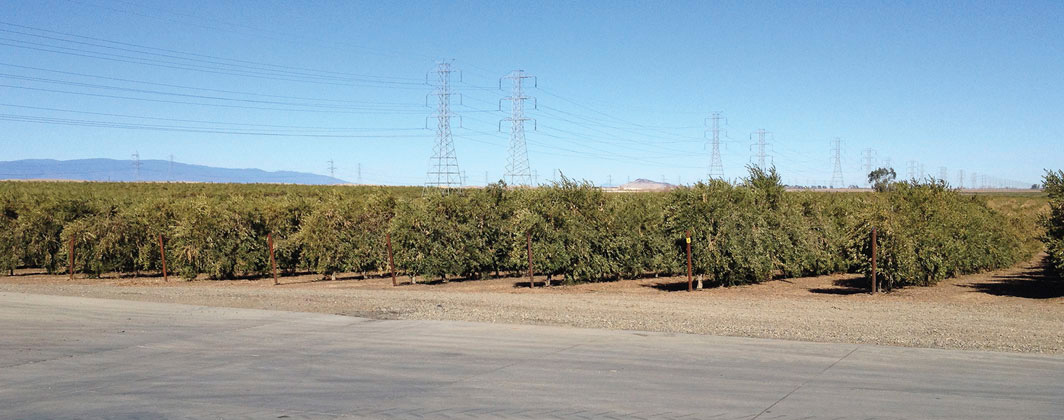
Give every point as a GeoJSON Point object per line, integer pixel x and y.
{"type": "Point", "coordinates": [1018, 310]}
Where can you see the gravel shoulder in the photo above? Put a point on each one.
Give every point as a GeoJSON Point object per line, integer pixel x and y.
{"type": "Point", "coordinates": [1020, 309]}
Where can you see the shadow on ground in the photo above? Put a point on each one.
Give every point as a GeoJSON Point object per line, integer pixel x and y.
{"type": "Point", "coordinates": [669, 287]}
{"type": "Point", "coordinates": [848, 286]}
{"type": "Point", "coordinates": [1036, 282]}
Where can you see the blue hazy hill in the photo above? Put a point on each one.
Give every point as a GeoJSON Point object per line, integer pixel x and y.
{"type": "Point", "coordinates": [150, 171]}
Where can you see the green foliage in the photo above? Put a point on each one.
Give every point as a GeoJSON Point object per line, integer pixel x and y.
{"type": "Point", "coordinates": [1053, 222]}
{"type": "Point", "coordinates": [928, 232]}
{"type": "Point", "coordinates": [882, 178]}
{"type": "Point", "coordinates": [741, 233]}
{"type": "Point", "coordinates": [752, 232]}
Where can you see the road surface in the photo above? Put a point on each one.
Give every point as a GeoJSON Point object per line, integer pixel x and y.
{"type": "Point", "coordinates": [72, 357]}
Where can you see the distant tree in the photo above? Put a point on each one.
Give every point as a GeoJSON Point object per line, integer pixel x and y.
{"type": "Point", "coordinates": [1036, 187]}
{"type": "Point", "coordinates": [882, 178]}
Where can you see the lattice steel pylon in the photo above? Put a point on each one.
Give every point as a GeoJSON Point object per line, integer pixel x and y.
{"type": "Point", "coordinates": [836, 156]}
{"type": "Point", "coordinates": [136, 166]}
{"type": "Point", "coordinates": [869, 158]}
{"type": "Point", "coordinates": [443, 169]}
{"type": "Point", "coordinates": [762, 146]}
{"type": "Point", "coordinates": [716, 167]}
{"type": "Point", "coordinates": [518, 171]}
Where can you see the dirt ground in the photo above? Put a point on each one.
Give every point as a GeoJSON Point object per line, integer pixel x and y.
{"type": "Point", "coordinates": [1020, 309]}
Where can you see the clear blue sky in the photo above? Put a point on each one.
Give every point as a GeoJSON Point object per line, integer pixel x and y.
{"type": "Point", "coordinates": [624, 87]}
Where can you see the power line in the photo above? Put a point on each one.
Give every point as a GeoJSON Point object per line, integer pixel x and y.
{"type": "Point", "coordinates": [185, 66]}
{"type": "Point", "coordinates": [185, 95]}
{"type": "Point", "coordinates": [133, 98]}
{"type": "Point", "coordinates": [272, 127]}
{"type": "Point", "coordinates": [304, 69]}
{"type": "Point", "coordinates": [252, 66]}
{"type": "Point", "coordinates": [119, 79]}
{"type": "Point", "coordinates": [274, 35]}
{"type": "Point", "coordinates": [151, 127]}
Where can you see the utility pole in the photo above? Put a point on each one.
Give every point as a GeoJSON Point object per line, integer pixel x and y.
{"type": "Point", "coordinates": [443, 172]}
{"type": "Point", "coordinates": [136, 165]}
{"type": "Point", "coordinates": [716, 168]}
{"type": "Point", "coordinates": [761, 146]}
{"type": "Point", "coordinates": [836, 157]}
{"type": "Point", "coordinates": [517, 168]}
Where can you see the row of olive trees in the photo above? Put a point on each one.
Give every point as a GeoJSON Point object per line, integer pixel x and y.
{"type": "Point", "coordinates": [741, 233]}
{"type": "Point", "coordinates": [1054, 221]}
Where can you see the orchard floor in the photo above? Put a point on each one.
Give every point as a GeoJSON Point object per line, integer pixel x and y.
{"type": "Point", "coordinates": [1020, 309]}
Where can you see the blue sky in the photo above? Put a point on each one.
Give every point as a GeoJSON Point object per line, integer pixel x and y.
{"type": "Point", "coordinates": [624, 87]}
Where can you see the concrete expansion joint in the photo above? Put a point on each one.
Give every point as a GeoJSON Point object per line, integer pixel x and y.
{"type": "Point", "coordinates": [806, 382]}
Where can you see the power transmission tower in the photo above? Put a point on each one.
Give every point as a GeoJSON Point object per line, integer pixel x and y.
{"type": "Point", "coordinates": [170, 169]}
{"type": "Point", "coordinates": [888, 164]}
{"type": "Point", "coordinates": [332, 169]}
{"type": "Point", "coordinates": [716, 168]}
{"type": "Point", "coordinates": [136, 165]}
{"type": "Point", "coordinates": [912, 169]}
{"type": "Point", "coordinates": [869, 158]}
{"type": "Point", "coordinates": [359, 173]}
{"type": "Point", "coordinates": [960, 178]}
{"type": "Point", "coordinates": [836, 156]}
{"type": "Point", "coordinates": [443, 170]}
{"type": "Point", "coordinates": [943, 173]}
{"type": "Point", "coordinates": [923, 173]}
{"type": "Point", "coordinates": [974, 179]}
{"type": "Point", "coordinates": [518, 171]}
{"type": "Point", "coordinates": [761, 147]}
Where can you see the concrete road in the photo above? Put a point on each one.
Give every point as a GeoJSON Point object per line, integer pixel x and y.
{"type": "Point", "coordinates": [69, 357]}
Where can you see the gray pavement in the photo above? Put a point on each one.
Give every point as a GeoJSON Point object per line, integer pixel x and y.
{"type": "Point", "coordinates": [71, 357]}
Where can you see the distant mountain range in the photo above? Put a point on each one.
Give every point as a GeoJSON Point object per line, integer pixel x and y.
{"type": "Point", "coordinates": [150, 171]}
{"type": "Point", "coordinates": [642, 184]}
